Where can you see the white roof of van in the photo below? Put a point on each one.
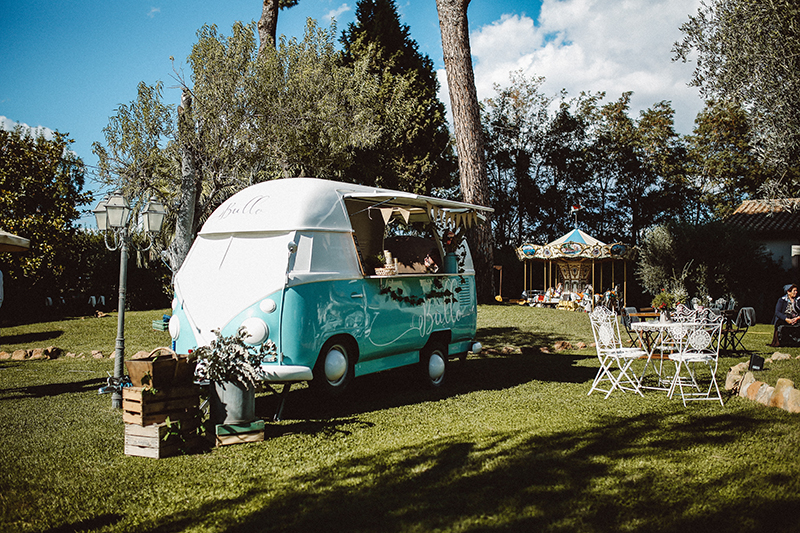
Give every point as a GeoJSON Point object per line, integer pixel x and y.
{"type": "Point", "coordinates": [315, 204]}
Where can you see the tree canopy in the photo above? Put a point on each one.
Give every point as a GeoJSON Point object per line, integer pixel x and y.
{"type": "Point", "coordinates": [41, 184]}
{"type": "Point", "coordinates": [249, 116]}
{"type": "Point", "coordinates": [748, 53]}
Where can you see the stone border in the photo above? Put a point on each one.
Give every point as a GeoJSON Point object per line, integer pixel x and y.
{"type": "Point", "coordinates": [51, 352]}
{"type": "Point", "coordinates": [783, 395]}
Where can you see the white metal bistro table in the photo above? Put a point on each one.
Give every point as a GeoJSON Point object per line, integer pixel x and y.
{"type": "Point", "coordinates": [663, 337]}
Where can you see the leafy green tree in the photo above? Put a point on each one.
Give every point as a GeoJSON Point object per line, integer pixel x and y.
{"type": "Point", "coordinates": [313, 113]}
{"type": "Point", "coordinates": [723, 168]}
{"type": "Point", "coordinates": [748, 52]}
{"type": "Point", "coordinates": [245, 117]}
{"type": "Point", "coordinates": [414, 154]}
{"type": "Point", "coordinates": [41, 184]}
{"type": "Point", "coordinates": [639, 158]}
{"type": "Point", "coordinates": [517, 125]}
{"type": "Point", "coordinates": [136, 155]}
{"type": "Point", "coordinates": [566, 172]}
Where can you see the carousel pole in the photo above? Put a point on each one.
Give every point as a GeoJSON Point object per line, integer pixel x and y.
{"type": "Point", "coordinates": [613, 276]}
{"type": "Point", "coordinates": [625, 282]}
{"type": "Point", "coordinates": [601, 278]}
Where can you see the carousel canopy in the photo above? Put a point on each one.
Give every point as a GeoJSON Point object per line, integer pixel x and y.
{"type": "Point", "coordinates": [575, 245]}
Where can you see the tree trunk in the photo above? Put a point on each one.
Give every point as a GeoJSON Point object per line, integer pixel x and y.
{"type": "Point", "coordinates": [184, 223]}
{"type": "Point", "coordinates": [268, 25]}
{"type": "Point", "coordinates": [469, 135]}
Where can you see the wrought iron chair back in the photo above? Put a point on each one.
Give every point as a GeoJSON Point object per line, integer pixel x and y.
{"type": "Point", "coordinates": [700, 347]}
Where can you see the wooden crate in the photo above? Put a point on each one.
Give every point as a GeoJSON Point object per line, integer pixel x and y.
{"type": "Point", "coordinates": [143, 408]}
{"type": "Point", "coordinates": [226, 434]}
{"type": "Point", "coordinates": [160, 440]}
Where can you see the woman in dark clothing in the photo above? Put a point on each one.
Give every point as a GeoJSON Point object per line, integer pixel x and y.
{"type": "Point", "coordinates": [787, 319]}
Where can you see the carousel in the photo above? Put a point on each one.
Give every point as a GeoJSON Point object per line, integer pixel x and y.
{"type": "Point", "coordinates": [573, 266]}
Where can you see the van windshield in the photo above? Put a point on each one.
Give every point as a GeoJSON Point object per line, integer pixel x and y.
{"type": "Point", "coordinates": [224, 274]}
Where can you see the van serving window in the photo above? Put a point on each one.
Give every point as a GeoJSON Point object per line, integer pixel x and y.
{"type": "Point", "coordinates": [399, 234]}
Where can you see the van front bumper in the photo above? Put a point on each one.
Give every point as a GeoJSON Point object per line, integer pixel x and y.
{"type": "Point", "coordinates": [272, 372]}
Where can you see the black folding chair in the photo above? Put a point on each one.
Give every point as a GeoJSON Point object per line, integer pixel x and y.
{"type": "Point", "coordinates": [627, 320]}
{"type": "Point", "coordinates": [733, 333]}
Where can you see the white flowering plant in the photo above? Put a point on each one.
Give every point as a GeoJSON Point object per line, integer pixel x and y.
{"type": "Point", "coordinates": [232, 359]}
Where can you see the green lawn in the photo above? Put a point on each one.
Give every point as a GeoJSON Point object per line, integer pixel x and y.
{"type": "Point", "coordinates": [512, 443]}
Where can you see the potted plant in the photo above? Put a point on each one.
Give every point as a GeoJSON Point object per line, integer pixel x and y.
{"type": "Point", "coordinates": [233, 368]}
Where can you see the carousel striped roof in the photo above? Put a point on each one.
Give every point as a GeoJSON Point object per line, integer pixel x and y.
{"type": "Point", "coordinates": [578, 236]}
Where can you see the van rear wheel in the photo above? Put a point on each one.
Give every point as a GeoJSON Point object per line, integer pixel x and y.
{"type": "Point", "coordinates": [335, 367]}
{"type": "Point", "coordinates": [433, 364]}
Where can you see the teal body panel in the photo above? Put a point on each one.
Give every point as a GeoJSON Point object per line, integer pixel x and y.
{"type": "Point", "coordinates": [389, 332]}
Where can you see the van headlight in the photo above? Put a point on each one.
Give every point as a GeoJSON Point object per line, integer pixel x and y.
{"type": "Point", "coordinates": [257, 331]}
{"type": "Point", "coordinates": [174, 327]}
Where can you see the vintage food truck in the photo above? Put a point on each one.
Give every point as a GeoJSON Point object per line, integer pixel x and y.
{"type": "Point", "coordinates": [344, 279]}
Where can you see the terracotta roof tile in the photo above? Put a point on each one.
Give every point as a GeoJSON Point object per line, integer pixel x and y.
{"type": "Point", "coordinates": [768, 216]}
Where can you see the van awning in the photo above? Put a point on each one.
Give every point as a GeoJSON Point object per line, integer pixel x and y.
{"type": "Point", "coordinates": [413, 207]}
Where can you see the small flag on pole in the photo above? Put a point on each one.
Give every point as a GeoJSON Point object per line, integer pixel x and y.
{"type": "Point", "coordinates": [575, 208]}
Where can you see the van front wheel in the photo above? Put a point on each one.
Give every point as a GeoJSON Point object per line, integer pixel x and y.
{"type": "Point", "coordinates": [433, 364]}
{"type": "Point", "coordinates": [334, 368]}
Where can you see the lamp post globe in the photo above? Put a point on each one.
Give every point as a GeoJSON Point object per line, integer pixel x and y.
{"type": "Point", "coordinates": [101, 215]}
{"type": "Point", "coordinates": [118, 211]}
{"type": "Point", "coordinates": [153, 215]}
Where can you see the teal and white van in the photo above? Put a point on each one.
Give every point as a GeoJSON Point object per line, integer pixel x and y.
{"type": "Point", "coordinates": [344, 279]}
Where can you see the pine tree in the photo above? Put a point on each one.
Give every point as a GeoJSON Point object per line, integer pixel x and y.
{"type": "Point", "coordinates": [413, 155]}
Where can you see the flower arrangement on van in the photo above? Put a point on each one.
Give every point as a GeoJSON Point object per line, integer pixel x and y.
{"type": "Point", "coordinates": [231, 359]}
{"type": "Point", "coordinates": [451, 239]}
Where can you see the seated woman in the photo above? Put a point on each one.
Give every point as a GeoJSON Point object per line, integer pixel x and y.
{"type": "Point", "coordinates": [787, 319]}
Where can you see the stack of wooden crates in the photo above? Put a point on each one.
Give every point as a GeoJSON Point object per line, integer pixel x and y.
{"type": "Point", "coordinates": [161, 411]}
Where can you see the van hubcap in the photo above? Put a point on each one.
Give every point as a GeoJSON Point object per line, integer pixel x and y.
{"type": "Point", "coordinates": [436, 367]}
{"type": "Point", "coordinates": [335, 366]}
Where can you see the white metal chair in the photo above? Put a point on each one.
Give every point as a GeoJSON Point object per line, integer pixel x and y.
{"type": "Point", "coordinates": [615, 360]}
{"type": "Point", "coordinates": [700, 346]}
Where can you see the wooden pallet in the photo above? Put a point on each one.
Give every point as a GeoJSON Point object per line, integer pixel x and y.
{"type": "Point", "coordinates": [143, 408]}
{"type": "Point", "coordinates": [226, 434]}
{"type": "Point", "coordinates": [160, 440]}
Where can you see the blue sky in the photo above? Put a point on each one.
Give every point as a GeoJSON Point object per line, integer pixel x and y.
{"type": "Point", "coordinates": [67, 64]}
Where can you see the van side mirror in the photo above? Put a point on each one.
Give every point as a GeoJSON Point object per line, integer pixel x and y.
{"type": "Point", "coordinates": [292, 247]}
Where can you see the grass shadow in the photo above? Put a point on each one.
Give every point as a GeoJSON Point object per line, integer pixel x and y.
{"type": "Point", "coordinates": [519, 481]}
{"type": "Point", "coordinates": [90, 524]}
{"type": "Point", "coordinates": [51, 389]}
{"type": "Point", "coordinates": [30, 338]}
{"type": "Point", "coordinates": [400, 387]}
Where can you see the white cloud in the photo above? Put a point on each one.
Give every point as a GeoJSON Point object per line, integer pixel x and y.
{"type": "Point", "coordinates": [592, 45]}
{"type": "Point", "coordinates": [8, 125]}
{"type": "Point", "coordinates": [334, 13]}
{"type": "Point", "coordinates": [153, 12]}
